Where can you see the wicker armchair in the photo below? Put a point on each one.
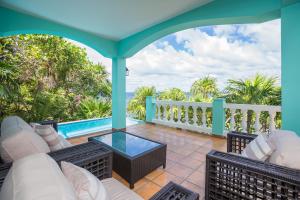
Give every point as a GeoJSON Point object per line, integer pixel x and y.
{"type": "Point", "coordinates": [230, 176]}
{"type": "Point", "coordinates": [92, 156]}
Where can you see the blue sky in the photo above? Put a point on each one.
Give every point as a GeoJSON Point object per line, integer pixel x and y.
{"type": "Point", "coordinates": [224, 52]}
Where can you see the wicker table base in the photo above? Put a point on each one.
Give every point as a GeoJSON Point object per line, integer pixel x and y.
{"type": "Point", "coordinates": [173, 191]}
{"type": "Point", "coordinates": [133, 168]}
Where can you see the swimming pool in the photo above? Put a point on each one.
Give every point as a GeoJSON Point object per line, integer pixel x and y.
{"type": "Point", "coordinates": [83, 127]}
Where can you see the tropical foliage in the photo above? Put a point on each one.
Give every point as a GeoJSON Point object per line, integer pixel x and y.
{"type": "Point", "coordinates": [256, 90]}
{"type": "Point", "coordinates": [174, 94]}
{"type": "Point", "coordinates": [92, 108]}
{"type": "Point", "coordinates": [47, 77]}
{"type": "Point", "coordinates": [204, 89]}
{"type": "Point", "coordinates": [137, 105]}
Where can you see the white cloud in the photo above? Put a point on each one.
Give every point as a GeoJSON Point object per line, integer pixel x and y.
{"type": "Point", "coordinates": [231, 52]}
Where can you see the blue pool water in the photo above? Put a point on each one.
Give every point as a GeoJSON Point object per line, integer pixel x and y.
{"type": "Point", "coordinates": [83, 127]}
{"type": "Point", "coordinates": [127, 143]}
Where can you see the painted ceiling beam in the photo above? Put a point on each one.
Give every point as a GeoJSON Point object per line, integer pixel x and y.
{"type": "Point", "coordinates": [215, 13]}
{"type": "Point", "coordinates": [13, 23]}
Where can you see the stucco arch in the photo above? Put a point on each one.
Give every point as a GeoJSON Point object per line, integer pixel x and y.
{"type": "Point", "coordinates": [15, 23]}
{"type": "Point", "coordinates": [214, 13]}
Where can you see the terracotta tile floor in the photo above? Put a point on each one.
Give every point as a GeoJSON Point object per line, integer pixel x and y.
{"type": "Point", "coordinates": [185, 158]}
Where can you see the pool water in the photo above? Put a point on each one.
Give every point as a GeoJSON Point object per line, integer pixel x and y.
{"type": "Point", "coordinates": [83, 127]}
{"type": "Point", "coordinates": [126, 143]}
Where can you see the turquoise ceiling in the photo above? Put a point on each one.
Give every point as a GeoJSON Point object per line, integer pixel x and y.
{"type": "Point", "coordinates": [120, 28]}
{"type": "Point", "coordinates": [112, 19]}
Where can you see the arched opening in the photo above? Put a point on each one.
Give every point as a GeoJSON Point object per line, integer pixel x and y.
{"type": "Point", "coordinates": [205, 63]}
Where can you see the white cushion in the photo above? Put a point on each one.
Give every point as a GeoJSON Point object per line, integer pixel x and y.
{"type": "Point", "coordinates": [287, 145]}
{"type": "Point", "coordinates": [118, 191]}
{"type": "Point", "coordinates": [276, 136]}
{"type": "Point", "coordinates": [65, 142]}
{"type": "Point", "coordinates": [49, 134]}
{"type": "Point", "coordinates": [36, 177]}
{"type": "Point", "coordinates": [259, 148]}
{"type": "Point", "coordinates": [11, 121]}
{"type": "Point", "coordinates": [86, 185]}
{"type": "Point", "coordinates": [18, 140]}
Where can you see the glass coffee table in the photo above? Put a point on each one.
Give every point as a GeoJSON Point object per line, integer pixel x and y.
{"type": "Point", "coordinates": [133, 156]}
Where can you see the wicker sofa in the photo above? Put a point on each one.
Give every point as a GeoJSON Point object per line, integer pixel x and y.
{"type": "Point", "coordinates": [230, 176]}
{"type": "Point", "coordinates": [94, 157]}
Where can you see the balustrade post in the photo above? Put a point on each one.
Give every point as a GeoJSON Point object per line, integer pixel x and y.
{"type": "Point", "coordinates": [232, 120]}
{"type": "Point", "coordinates": [195, 115]}
{"type": "Point", "coordinates": [150, 108]}
{"type": "Point", "coordinates": [218, 117]}
{"type": "Point", "coordinates": [244, 120]}
{"type": "Point", "coordinates": [164, 116]}
{"type": "Point", "coordinates": [186, 114]}
{"type": "Point", "coordinates": [272, 121]}
{"type": "Point", "coordinates": [179, 113]}
{"type": "Point", "coordinates": [171, 113]}
{"type": "Point", "coordinates": [257, 125]}
{"type": "Point", "coordinates": [203, 117]}
{"type": "Point", "coordinates": [158, 111]}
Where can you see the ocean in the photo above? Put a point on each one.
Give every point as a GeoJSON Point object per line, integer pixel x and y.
{"type": "Point", "coordinates": [129, 95]}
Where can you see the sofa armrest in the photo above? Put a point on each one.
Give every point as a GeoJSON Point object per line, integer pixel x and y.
{"type": "Point", "coordinates": [237, 141]}
{"type": "Point", "coordinates": [231, 176]}
{"type": "Point", "coordinates": [92, 156]}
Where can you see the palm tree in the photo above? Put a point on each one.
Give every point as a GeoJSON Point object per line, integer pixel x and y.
{"type": "Point", "coordinates": [137, 105]}
{"type": "Point", "coordinates": [257, 90]}
{"type": "Point", "coordinates": [93, 108]}
{"type": "Point", "coordinates": [174, 94]}
{"type": "Point", "coordinates": [204, 89]}
{"type": "Point", "coordinates": [251, 91]}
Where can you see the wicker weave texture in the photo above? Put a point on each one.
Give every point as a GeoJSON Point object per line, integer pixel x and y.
{"type": "Point", "coordinates": [236, 141]}
{"type": "Point", "coordinates": [231, 176]}
{"type": "Point", "coordinates": [92, 156]}
{"type": "Point", "coordinates": [173, 191]}
{"type": "Point", "coordinates": [134, 168]}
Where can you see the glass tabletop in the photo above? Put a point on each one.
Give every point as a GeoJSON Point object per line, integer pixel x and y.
{"type": "Point", "coordinates": [126, 143]}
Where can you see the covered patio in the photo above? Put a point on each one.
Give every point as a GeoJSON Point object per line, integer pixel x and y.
{"type": "Point", "coordinates": [120, 29]}
{"type": "Point", "coordinates": [186, 156]}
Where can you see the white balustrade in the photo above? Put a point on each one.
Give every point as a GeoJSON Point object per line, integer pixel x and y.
{"type": "Point", "coordinates": [232, 119]}
{"type": "Point", "coordinates": [188, 116]}
{"type": "Point", "coordinates": [257, 110]}
{"type": "Point", "coordinates": [204, 117]}
{"type": "Point", "coordinates": [183, 109]}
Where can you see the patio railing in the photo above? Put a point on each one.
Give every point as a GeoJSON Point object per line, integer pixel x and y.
{"type": "Point", "coordinates": [252, 118]}
{"type": "Point", "coordinates": [227, 117]}
{"type": "Point", "coordinates": [187, 115]}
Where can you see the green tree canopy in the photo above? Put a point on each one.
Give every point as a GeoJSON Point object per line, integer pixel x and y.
{"type": "Point", "coordinates": [137, 105]}
{"type": "Point", "coordinates": [204, 89]}
{"type": "Point", "coordinates": [46, 77]}
{"type": "Point", "coordinates": [174, 94]}
{"type": "Point", "coordinates": [257, 90]}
